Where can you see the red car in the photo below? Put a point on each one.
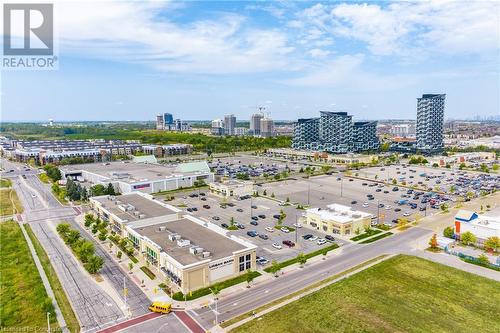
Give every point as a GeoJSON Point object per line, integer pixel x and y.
{"type": "Point", "coordinates": [288, 243]}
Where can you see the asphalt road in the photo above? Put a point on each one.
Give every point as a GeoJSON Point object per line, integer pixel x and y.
{"type": "Point", "coordinates": [94, 307]}
{"type": "Point", "coordinates": [351, 255]}
{"type": "Point", "coordinates": [165, 324]}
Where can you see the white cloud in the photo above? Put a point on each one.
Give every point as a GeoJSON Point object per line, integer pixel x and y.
{"type": "Point", "coordinates": [319, 53]}
{"type": "Point", "coordinates": [409, 28]}
{"type": "Point", "coordinates": [141, 32]}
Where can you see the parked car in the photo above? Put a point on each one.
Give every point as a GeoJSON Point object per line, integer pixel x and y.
{"type": "Point", "coordinates": [216, 218]}
{"type": "Point", "coordinates": [313, 238]}
{"type": "Point", "coordinates": [354, 202]}
{"type": "Point", "coordinates": [330, 238]}
{"type": "Point", "coordinates": [262, 216]}
{"type": "Point", "coordinates": [285, 230]}
{"type": "Point", "coordinates": [224, 225]}
{"type": "Point", "coordinates": [206, 206]}
{"type": "Point", "coordinates": [321, 241]}
{"type": "Point", "coordinates": [254, 223]}
{"type": "Point", "coordinates": [306, 237]}
{"type": "Point", "coordinates": [255, 218]}
{"type": "Point", "coordinates": [297, 225]}
{"type": "Point", "coordinates": [264, 236]}
{"type": "Point", "coordinates": [277, 246]}
{"type": "Point", "coordinates": [269, 229]}
{"type": "Point", "coordinates": [240, 226]}
{"type": "Point", "coordinates": [254, 207]}
{"type": "Point", "coordinates": [252, 233]}
{"type": "Point", "coordinates": [239, 210]}
{"type": "Point", "coordinates": [288, 243]}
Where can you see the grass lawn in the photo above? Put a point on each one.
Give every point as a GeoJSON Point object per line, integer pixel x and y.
{"type": "Point", "coordinates": [24, 301]}
{"type": "Point", "coordinates": [401, 294]}
{"type": "Point", "coordinates": [9, 202]}
{"type": "Point", "coordinates": [376, 238]}
{"type": "Point", "coordinates": [59, 293]}
{"type": "Point", "coordinates": [5, 182]}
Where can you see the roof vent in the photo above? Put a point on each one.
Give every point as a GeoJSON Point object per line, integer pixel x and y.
{"type": "Point", "coordinates": [183, 242]}
{"type": "Point", "coordinates": [206, 254]}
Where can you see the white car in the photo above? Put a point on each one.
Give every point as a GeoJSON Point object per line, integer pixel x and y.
{"type": "Point", "coordinates": [269, 229]}
{"type": "Point", "coordinates": [297, 225]}
{"type": "Point", "coordinates": [321, 241]}
{"type": "Point", "coordinates": [406, 214]}
{"type": "Point", "coordinates": [388, 207]}
{"type": "Point", "coordinates": [313, 238]}
{"type": "Point", "coordinates": [277, 246]}
{"type": "Point", "coordinates": [285, 230]}
{"type": "Point", "coordinates": [365, 204]}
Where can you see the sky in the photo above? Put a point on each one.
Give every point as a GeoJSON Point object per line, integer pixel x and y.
{"type": "Point", "coordinates": [199, 60]}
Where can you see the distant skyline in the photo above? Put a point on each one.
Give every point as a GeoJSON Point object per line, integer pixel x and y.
{"type": "Point", "coordinates": [201, 60]}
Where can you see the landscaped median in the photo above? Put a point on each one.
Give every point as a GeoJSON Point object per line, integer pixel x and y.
{"type": "Point", "coordinates": [370, 232]}
{"type": "Point", "coordinates": [376, 238]}
{"type": "Point", "coordinates": [278, 266]}
{"type": "Point", "coordinates": [179, 296]}
{"type": "Point", "coordinates": [61, 298]}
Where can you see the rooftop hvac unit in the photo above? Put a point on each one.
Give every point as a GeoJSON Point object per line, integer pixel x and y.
{"type": "Point", "coordinates": [136, 213]}
{"type": "Point", "coordinates": [192, 250]}
{"type": "Point", "coordinates": [131, 207]}
{"type": "Point", "coordinates": [177, 236]}
{"type": "Point", "coordinates": [183, 242]}
{"type": "Point", "coordinates": [199, 249]}
{"type": "Point", "coordinates": [118, 202]}
{"type": "Point", "coordinates": [141, 216]}
{"type": "Point", "coordinates": [205, 254]}
{"type": "Point", "coordinates": [171, 237]}
{"type": "Point", "coordinates": [163, 228]}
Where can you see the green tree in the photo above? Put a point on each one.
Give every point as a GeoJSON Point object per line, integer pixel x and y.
{"type": "Point", "coordinates": [85, 250]}
{"type": "Point", "coordinates": [72, 236]}
{"type": "Point", "coordinates": [492, 243]}
{"type": "Point", "coordinates": [468, 238]}
{"type": "Point", "coordinates": [275, 268]}
{"type": "Point", "coordinates": [302, 259]}
{"type": "Point", "coordinates": [89, 219]}
{"type": "Point", "coordinates": [130, 266]}
{"type": "Point", "coordinates": [119, 254]}
{"type": "Point", "coordinates": [483, 259]}
{"type": "Point", "coordinates": [449, 232]}
{"type": "Point", "coordinates": [63, 228]}
{"type": "Point", "coordinates": [249, 278]}
{"type": "Point", "coordinates": [94, 264]}
{"type": "Point", "coordinates": [110, 190]}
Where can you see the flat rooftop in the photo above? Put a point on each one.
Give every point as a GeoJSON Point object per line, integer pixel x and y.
{"type": "Point", "coordinates": [338, 213]}
{"type": "Point", "coordinates": [218, 245]}
{"type": "Point", "coordinates": [133, 172]}
{"type": "Point", "coordinates": [133, 206]}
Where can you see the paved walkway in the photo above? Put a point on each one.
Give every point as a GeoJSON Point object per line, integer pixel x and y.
{"type": "Point", "coordinates": [453, 261]}
{"type": "Point", "coordinates": [45, 280]}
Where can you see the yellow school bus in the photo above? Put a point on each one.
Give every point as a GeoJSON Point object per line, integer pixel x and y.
{"type": "Point", "coordinates": [160, 307]}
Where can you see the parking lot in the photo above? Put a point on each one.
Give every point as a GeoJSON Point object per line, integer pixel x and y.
{"type": "Point", "coordinates": [254, 166]}
{"type": "Point", "coordinates": [263, 211]}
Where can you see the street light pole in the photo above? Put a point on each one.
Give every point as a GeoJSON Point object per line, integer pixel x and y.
{"type": "Point", "coordinates": [48, 322]}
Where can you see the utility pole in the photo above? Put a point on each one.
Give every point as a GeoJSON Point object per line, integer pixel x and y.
{"type": "Point", "coordinates": [48, 322]}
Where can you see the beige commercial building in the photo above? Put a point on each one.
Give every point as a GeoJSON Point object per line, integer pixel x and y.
{"type": "Point", "coordinates": [192, 253]}
{"type": "Point", "coordinates": [337, 219]}
{"type": "Point", "coordinates": [231, 188]}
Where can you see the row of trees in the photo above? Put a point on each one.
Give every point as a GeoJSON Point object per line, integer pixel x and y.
{"type": "Point", "coordinates": [83, 248]}
{"type": "Point", "coordinates": [468, 238]}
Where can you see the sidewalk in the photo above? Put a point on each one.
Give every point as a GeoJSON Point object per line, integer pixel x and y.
{"type": "Point", "coordinates": [45, 280]}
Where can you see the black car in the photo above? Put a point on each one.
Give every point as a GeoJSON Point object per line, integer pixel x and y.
{"type": "Point", "coordinates": [254, 207]}
{"type": "Point", "coordinates": [395, 221]}
{"type": "Point", "coordinates": [306, 237]}
{"type": "Point", "coordinates": [262, 216]}
{"type": "Point", "coordinates": [216, 218]}
{"type": "Point", "coordinates": [397, 209]}
{"type": "Point", "coordinates": [381, 205]}
{"type": "Point", "coordinates": [204, 199]}
{"type": "Point", "coordinates": [224, 225]}
{"type": "Point", "coordinates": [330, 238]}
{"type": "Point", "coordinates": [378, 190]}
{"type": "Point", "coordinates": [252, 233]}
{"type": "Point", "coordinates": [190, 209]}
{"type": "Point", "coordinates": [276, 216]}
{"type": "Point", "coordinates": [255, 218]}
{"type": "Point", "coordinates": [194, 209]}
{"type": "Point", "coordinates": [239, 210]}
{"type": "Point", "coordinates": [354, 202]}
{"type": "Point", "coordinates": [254, 223]}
